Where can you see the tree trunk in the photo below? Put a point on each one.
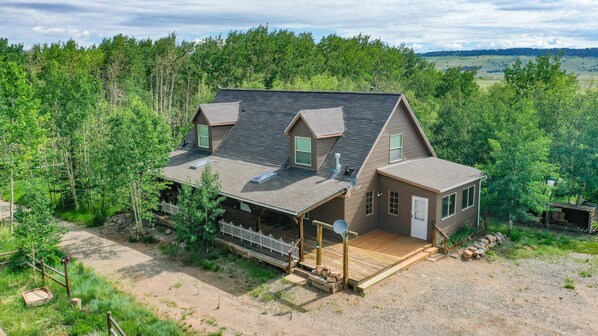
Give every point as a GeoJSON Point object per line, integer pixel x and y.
{"type": "Point", "coordinates": [70, 173]}
{"type": "Point", "coordinates": [12, 196]}
{"type": "Point", "coordinates": [510, 223]}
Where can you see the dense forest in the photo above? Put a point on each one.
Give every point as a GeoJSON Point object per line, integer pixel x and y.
{"type": "Point", "coordinates": [94, 125]}
{"type": "Point", "coordinates": [582, 52]}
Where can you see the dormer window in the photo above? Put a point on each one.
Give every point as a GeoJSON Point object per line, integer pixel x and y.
{"type": "Point", "coordinates": [203, 136]}
{"type": "Point", "coordinates": [303, 151]}
{"type": "Point", "coordinates": [396, 147]}
{"type": "Point", "coordinates": [314, 131]}
{"type": "Point", "coordinates": [213, 121]}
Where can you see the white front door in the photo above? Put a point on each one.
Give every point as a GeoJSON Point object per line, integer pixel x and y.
{"type": "Point", "coordinates": [419, 217]}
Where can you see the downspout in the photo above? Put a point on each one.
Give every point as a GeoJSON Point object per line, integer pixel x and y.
{"type": "Point", "coordinates": [480, 198]}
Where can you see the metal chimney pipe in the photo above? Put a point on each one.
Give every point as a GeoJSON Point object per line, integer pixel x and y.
{"type": "Point", "coordinates": [337, 167]}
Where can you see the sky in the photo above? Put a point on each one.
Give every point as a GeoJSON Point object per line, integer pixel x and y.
{"type": "Point", "coordinates": [424, 25]}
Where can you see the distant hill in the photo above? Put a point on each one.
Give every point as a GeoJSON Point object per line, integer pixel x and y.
{"type": "Point", "coordinates": [587, 52]}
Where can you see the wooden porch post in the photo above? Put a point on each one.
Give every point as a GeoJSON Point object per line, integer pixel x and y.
{"type": "Point", "coordinates": [258, 212]}
{"type": "Point", "coordinates": [319, 250]}
{"type": "Point", "coordinates": [302, 242]}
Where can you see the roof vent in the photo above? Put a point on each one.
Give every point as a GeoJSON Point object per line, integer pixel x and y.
{"type": "Point", "coordinates": [200, 163]}
{"type": "Point", "coordinates": [337, 166]}
{"type": "Point", "coordinates": [263, 177]}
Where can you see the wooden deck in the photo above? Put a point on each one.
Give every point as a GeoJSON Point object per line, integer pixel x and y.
{"type": "Point", "coordinates": [369, 255]}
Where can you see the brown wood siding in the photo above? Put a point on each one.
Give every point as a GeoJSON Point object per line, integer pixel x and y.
{"type": "Point", "coordinates": [413, 147]}
{"type": "Point", "coordinates": [401, 223]}
{"type": "Point", "coordinates": [329, 211]}
{"type": "Point", "coordinates": [323, 147]}
{"type": "Point", "coordinates": [217, 133]}
{"type": "Point", "coordinates": [468, 216]}
{"type": "Point", "coordinates": [300, 129]}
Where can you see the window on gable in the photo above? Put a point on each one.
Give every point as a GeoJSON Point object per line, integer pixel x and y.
{"type": "Point", "coordinates": [448, 205]}
{"type": "Point", "coordinates": [203, 136]}
{"type": "Point", "coordinates": [393, 203]}
{"type": "Point", "coordinates": [303, 151]}
{"type": "Point", "coordinates": [396, 147]}
{"type": "Point", "coordinates": [369, 203]}
{"type": "Point", "coordinates": [468, 197]}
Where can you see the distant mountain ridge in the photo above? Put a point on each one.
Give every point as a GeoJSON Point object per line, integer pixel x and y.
{"type": "Point", "coordinates": [585, 52]}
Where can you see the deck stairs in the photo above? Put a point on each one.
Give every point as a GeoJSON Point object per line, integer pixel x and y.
{"type": "Point", "coordinates": [406, 262]}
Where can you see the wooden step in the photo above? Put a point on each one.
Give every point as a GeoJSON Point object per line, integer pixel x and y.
{"type": "Point", "coordinates": [432, 250]}
{"type": "Point", "coordinates": [406, 263]}
{"type": "Point", "coordinates": [435, 257]}
{"type": "Point", "coordinates": [301, 272]}
{"type": "Point", "coordinates": [296, 279]}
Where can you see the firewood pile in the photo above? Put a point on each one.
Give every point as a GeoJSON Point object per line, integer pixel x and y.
{"type": "Point", "coordinates": [479, 248]}
{"type": "Point", "coordinates": [327, 279]}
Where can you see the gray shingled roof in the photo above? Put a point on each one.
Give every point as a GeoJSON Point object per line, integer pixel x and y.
{"type": "Point", "coordinates": [323, 123]}
{"type": "Point", "coordinates": [220, 113]}
{"type": "Point", "coordinates": [258, 136]}
{"type": "Point", "coordinates": [292, 191]}
{"type": "Point", "coordinates": [432, 173]}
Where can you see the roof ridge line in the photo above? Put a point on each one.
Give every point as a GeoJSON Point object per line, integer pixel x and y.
{"type": "Point", "coordinates": [316, 91]}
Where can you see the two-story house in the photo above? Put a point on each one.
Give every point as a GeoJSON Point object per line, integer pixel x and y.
{"type": "Point", "coordinates": [361, 157]}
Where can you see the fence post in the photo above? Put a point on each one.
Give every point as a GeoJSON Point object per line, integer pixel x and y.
{"type": "Point", "coordinates": [43, 273]}
{"type": "Point", "coordinates": [109, 320]}
{"type": "Point", "coordinates": [66, 279]}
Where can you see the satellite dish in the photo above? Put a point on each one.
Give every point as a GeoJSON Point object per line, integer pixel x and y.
{"type": "Point", "coordinates": [340, 226]}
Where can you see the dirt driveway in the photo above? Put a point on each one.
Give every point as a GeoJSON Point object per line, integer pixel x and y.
{"type": "Point", "coordinates": [449, 297]}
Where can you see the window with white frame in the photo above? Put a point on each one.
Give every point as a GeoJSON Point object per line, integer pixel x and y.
{"type": "Point", "coordinates": [448, 205]}
{"type": "Point", "coordinates": [396, 147]}
{"type": "Point", "coordinates": [369, 203]}
{"type": "Point", "coordinates": [203, 136]}
{"type": "Point", "coordinates": [468, 197]}
{"type": "Point", "coordinates": [303, 151]}
{"type": "Point", "coordinates": [393, 203]}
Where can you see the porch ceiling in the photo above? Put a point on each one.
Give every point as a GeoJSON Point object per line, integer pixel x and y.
{"type": "Point", "coordinates": [432, 173]}
{"type": "Point", "coordinates": [292, 191]}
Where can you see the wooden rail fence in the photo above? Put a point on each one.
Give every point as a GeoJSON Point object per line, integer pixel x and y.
{"type": "Point", "coordinates": [113, 327]}
{"type": "Point", "coordinates": [43, 270]}
{"type": "Point", "coordinates": [5, 255]}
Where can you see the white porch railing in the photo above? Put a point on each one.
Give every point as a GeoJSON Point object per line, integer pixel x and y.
{"type": "Point", "coordinates": [258, 238]}
{"type": "Point", "coordinates": [169, 208]}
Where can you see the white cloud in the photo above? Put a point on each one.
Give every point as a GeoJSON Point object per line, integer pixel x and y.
{"type": "Point", "coordinates": [424, 25]}
{"type": "Point", "coordinates": [60, 31]}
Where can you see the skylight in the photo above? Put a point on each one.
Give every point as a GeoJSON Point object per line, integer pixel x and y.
{"type": "Point", "coordinates": [200, 163]}
{"type": "Point", "coordinates": [263, 177]}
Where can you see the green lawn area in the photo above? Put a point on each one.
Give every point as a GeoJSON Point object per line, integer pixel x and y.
{"type": "Point", "coordinates": [535, 242]}
{"type": "Point", "coordinates": [59, 318]}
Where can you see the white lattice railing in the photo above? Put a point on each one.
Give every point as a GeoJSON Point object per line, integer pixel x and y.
{"type": "Point", "coordinates": [258, 238]}
{"type": "Point", "coordinates": [169, 208]}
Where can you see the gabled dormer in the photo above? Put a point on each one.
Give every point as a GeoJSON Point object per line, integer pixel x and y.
{"type": "Point", "coordinates": [212, 122]}
{"type": "Point", "coordinates": [312, 133]}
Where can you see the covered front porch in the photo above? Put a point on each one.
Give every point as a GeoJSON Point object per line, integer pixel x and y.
{"type": "Point", "coordinates": [372, 256]}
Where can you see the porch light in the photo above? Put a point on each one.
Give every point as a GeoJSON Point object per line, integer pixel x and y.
{"type": "Point", "coordinates": [378, 194]}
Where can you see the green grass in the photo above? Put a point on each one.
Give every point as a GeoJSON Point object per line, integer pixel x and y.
{"type": "Point", "coordinates": [569, 284]}
{"type": "Point", "coordinates": [461, 234]}
{"type": "Point", "coordinates": [222, 260]}
{"type": "Point", "coordinates": [534, 242]}
{"type": "Point", "coordinates": [59, 318]}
